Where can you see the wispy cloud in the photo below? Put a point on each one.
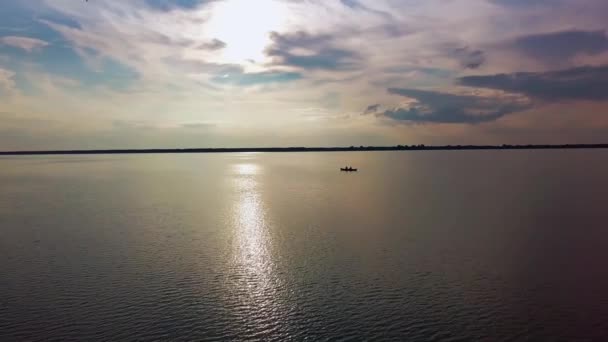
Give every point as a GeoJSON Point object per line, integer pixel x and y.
{"type": "Point", "coordinates": [357, 5]}
{"type": "Point", "coordinates": [25, 43]}
{"type": "Point", "coordinates": [248, 79]}
{"type": "Point", "coordinates": [7, 82]}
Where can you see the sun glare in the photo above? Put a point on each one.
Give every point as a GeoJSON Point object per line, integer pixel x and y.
{"type": "Point", "coordinates": [244, 25]}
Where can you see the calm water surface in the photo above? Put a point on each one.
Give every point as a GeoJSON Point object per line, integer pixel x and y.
{"type": "Point", "coordinates": [470, 245]}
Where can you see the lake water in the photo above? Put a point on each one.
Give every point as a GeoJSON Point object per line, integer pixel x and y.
{"type": "Point", "coordinates": [457, 245]}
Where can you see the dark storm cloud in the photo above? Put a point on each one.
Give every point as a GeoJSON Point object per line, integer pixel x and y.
{"type": "Point", "coordinates": [558, 47]}
{"type": "Point", "coordinates": [436, 107]}
{"type": "Point", "coordinates": [583, 83]}
{"type": "Point", "coordinates": [321, 54]}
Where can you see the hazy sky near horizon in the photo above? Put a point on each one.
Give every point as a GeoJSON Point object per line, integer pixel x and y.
{"type": "Point", "coordinates": [189, 73]}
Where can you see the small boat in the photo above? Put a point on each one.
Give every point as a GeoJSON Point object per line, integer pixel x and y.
{"type": "Point", "coordinates": [348, 169]}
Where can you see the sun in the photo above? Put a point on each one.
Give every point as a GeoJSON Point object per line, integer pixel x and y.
{"type": "Point", "coordinates": [245, 25]}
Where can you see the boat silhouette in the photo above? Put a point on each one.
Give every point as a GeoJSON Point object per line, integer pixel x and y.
{"type": "Point", "coordinates": [348, 169]}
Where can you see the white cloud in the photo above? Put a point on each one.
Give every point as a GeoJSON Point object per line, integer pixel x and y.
{"type": "Point", "coordinates": [7, 83]}
{"type": "Point", "coordinates": [26, 43]}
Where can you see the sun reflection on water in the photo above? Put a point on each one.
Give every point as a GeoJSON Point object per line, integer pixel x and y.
{"type": "Point", "coordinates": [253, 258]}
{"type": "Point", "coordinates": [246, 169]}
{"type": "Point", "coordinates": [251, 228]}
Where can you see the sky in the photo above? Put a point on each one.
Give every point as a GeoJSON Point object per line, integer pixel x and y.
{"type": "Point", "coordinates": [247, 73]}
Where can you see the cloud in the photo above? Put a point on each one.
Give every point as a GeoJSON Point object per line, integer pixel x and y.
{"type": "Point", "coordinates": [306, 51]}
{"type": "Point", "coordinates": [7, 82]}
{"type": "Point", "coordinates": [371, 109]}
{"type": "Point", "coordinates": [167, 5]}
{"type": "Point", "coordinates": [249, 79]}
{"type": "Point", "coordinates": [435, 107]}
{"type": "Point", "coordinates": [559, 47]}
{"type": "Point", "coordinates": [168, 62]}
{"type": "Point", "coordinates": [25, 43]}
{"type": "Point", "coordinates": [215, 44]}
{"type": "Point", "coordinates": [199, 125]}
{"type": "Point", "coordinates": [357, 5]}
{"type": "Point", "coordinates": [230, 74]}
{"type": "Point", "coordinates": [136, 36]}
{"type": "Point", "coordinates": [469, 58]}
{"type": "Point", "coordinates": [526, 3]}
{"type": "Point", "coordinates": [581, 83]}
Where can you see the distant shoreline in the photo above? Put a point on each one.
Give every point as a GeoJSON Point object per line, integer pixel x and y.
{"type": "Point", "coordinates": [310, 149]}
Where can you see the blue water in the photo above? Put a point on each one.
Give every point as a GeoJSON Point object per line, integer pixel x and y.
{"type": "Point", "coordinates": [456, 245]}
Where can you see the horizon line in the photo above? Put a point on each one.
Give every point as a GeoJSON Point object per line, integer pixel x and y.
{"type": "Point", "coordinates": [420, 147]}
